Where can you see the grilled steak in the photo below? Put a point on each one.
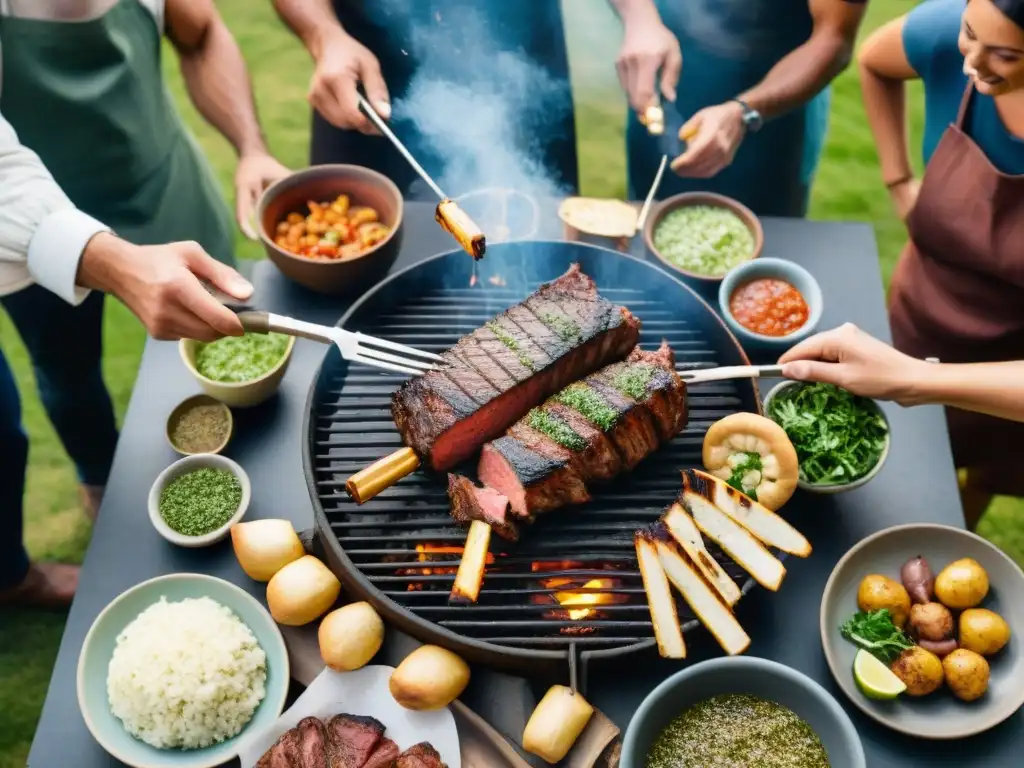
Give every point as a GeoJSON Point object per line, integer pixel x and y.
{"type": "Point", "coordinates": [312, 744]}
{"type": "Point", "coordinates": [420, 756]}
{"type": "Point", "coordinates": [285, 753]}
{"type": "Point", "coordinates": [384, 755]}
{"type": "Point", "coordinates": [497, 373]}
{"type": "Point", "coordinates": [352, 739]}
{"type": "Point", "coordinates": [471, 503]}
{"type": "Point", "coordinates": [587, 433]}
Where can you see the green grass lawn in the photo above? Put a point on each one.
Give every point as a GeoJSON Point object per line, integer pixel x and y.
{"type": "Point", "coordinates": [847, 188]}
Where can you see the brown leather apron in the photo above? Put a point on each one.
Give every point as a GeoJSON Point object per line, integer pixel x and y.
{"type": "Point", "coordinates": [958, 290]}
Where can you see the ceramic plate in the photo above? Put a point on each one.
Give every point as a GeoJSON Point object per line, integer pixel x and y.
{"type": "Point", "coordinates": [98, 649]}
{"type": "Point", "coordinates": [939, 715]}
{"type": "Point", "coordinates": [363, 692]}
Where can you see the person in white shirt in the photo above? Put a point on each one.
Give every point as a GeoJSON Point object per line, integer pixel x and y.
{"type": "Point", "coordinates": [46, 240]}
{"type": "Point", "coordinates": [81, 82]}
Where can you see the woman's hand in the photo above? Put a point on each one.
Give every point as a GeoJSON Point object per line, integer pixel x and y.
{"type": "Point", "coordinates": [853, 360]}
{"type": "Point", "coordinates": [647, 47]}
{"type": "Point", "coordinates": [254, 174]}
{"type": "Point", "coordinates": [342, 66]}
{"type": "Point", "coordinates": [904, 197]}
{"type": "Point", "coordinates": [717, 133]}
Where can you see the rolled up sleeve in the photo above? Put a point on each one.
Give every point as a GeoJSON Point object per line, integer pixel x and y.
{"type": "Point", "coordinates": [42, 234]}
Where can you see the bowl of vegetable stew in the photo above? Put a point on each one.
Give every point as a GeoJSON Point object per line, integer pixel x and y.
{"type": "Point", "coordinates": [239, 371]}
{"type": "Point", "coordinates": [841, 440]}
{"type": "Point", "coordinates": [701, 236]}
{"type": "Point", "coordinates": [330, 208]}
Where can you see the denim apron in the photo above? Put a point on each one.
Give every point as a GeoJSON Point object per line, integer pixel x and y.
{"type": "Point", "coordinates": [487, 46]}
{"type": "Point", "coordinates": [728, 47]}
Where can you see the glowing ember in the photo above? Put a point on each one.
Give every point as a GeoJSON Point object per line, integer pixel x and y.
{"type": "Point", "coordinates": [580, 605]}
{"type": "Point", "coordinates": [427, 553]}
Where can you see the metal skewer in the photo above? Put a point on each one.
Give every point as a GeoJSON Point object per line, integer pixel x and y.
{"type": "Point", "coordinates": [642, 218]}
{"type": "Point", "coordinates": [383, 127]}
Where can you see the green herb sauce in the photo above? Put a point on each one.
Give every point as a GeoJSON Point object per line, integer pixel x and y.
{"type": "Point", "coordinates": [235, 359]}
{"type": "Point", "coordinates": [556, 429]}
{"type": "Point", "coordinates": [738, 731]}
{"type": "Point", "coordinates": [704, 239]}
{"type": "Point", "coordinates": [582, 398]}
{"type": "Point", "coordinates": [506, 338]}
{"type": "Point", "coordinates": [751, 463]}
{"type": "Point", "coordinates": [633, 381]}
{"type": "Point", "coordinates": [566, 329]}
{"type": "Point", "coordinates": [200, 501]}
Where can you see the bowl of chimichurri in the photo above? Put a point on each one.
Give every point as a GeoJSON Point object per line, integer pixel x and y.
{"type": "Point", "coordinates": [240, 371]}
{"type": "Point", "coordinates": [702, 236]}
{"type": "Point", "coordinates": [741, 712]}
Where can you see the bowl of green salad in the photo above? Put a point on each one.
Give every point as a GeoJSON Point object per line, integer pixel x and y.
{"type": "Point", "coordinates": [702, 236]}
{"type": "Point", "coordinates": [841, 439]}
{"type": "Point", "coordinates": [240, 371]}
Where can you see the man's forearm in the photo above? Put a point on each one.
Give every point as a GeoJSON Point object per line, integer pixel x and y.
{"type": "Point", "coordinates": [993, 388]}
{"type": "Point", "coordinates": [631, 11]}
{"type": "Point", "coordinates": [313, 21]}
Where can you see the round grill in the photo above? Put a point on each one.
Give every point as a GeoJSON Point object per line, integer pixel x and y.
{"type": "Point", "coordinates": [572, 581]}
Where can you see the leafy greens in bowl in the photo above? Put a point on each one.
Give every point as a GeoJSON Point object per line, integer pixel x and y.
{"type": "Point", "coordinates": [841, 439]}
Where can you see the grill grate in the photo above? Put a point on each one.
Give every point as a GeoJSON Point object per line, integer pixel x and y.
{"type": "Point", "coordinates": [401, 549]}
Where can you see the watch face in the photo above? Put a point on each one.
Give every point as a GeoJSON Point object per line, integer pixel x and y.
{"type": "Point", "coordinates": [752, 118]}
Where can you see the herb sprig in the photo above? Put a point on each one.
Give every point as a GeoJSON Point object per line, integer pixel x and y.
{"type": "Point", "coordinates": [875, 632]}
{"type": "Point", "coordinates": [839, 437]}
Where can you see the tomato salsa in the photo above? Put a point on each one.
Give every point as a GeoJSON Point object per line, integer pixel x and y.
{"type": "Point", "coordinates": [769, 307]}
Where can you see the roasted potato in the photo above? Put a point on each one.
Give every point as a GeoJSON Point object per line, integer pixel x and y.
{"type": "Point", "coordinates": [983, 631]}
{"type": "Point", "coordinates": [920, 671]}
{"type": "Point", "coordinates": [429, 678]}
{"type": "Point", "coordinates": [918, 579]}
{"type": "Point", "coordinates": [877, 592]}
{"type": "Point", "coordinates": [962, 584]}
{"type": "Point", "coordinates": [966, 674]}
{"type": "Point", "coordinates": [931, 621]}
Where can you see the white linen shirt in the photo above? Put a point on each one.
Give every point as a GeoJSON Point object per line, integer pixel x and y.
{"type": "Point", "coordinates": [42, 233]}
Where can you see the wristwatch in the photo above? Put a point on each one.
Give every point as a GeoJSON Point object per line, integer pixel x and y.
{"type": "Point", "coordinates": [751, 117]}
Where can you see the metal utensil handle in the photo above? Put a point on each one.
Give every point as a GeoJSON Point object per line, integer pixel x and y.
{"type": "Point", "coordinates": [733, 372]}
{"type": "Point", "coordinates": [642, 218]}
{"type": "Point", "coordinates": [267, 322]}
{"type": "Point", "coordinates": [382, 126]}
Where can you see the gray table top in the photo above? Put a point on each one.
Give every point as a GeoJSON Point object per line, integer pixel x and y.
{"type": "Point", "coordinates": [125, 550]}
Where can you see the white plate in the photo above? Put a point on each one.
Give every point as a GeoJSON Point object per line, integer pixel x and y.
{"type": "Point", "coordinates": [363, 692]}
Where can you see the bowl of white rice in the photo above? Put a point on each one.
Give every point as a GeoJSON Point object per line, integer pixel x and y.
{"type": "Point", "coordinates": [177, 670]}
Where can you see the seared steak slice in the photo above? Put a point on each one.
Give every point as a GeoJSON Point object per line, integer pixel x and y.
{"type": "Point", "coordinates": [312, 743]}
{"type": "Point", "coordinates": [470, 502]}
{"type": "Point", "coordinates": [586, 433]}
{"type": "Point", "coordinates": [493, 376]}
{"type": "Point", "coordinates": [384, 755]}
{"type": "Point", "coordinates": [285, 753]}
{"type": "Point", "coordinates": [421, 755]}
{"type": "Point", "coordinates": [352, 739]}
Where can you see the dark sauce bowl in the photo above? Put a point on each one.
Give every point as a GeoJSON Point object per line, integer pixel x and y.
{"type": "Point", "coordinates": [765, 679]}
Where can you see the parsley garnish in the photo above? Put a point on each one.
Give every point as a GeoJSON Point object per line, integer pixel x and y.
{"type": "Point", "coordinates": [876, 632]}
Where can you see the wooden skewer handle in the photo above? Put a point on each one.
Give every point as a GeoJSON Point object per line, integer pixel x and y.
{"type": "Point", "coordinates": [383, 473]}
{"type": "Point", "coordinates": [456, 222]}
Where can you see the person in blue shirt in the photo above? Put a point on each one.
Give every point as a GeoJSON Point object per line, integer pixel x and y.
{"type": "Point", "coordinates": [751, 77]}
{"type": "Point", "coordinates": [957, 293]}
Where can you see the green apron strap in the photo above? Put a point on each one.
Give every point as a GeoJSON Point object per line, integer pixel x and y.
{"type": "Point", "coordinates": [89, 98]}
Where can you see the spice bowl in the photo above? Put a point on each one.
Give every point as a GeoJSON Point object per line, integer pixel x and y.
{"type": "Point", "coordinates": [207, 489]}
{"type": "Point", "coordinates": [200, 424]}
{"type": "Point", "coordinates": [237, 394]}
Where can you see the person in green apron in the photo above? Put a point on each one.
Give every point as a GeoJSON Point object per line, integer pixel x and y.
{"type": "Point", "coordinates": [81, 83]}
{"type": "Point", "coordinates": [753, 87]}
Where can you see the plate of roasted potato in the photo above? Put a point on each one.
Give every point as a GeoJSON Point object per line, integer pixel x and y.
{"type": "Point", "coordinates": [921, 627]}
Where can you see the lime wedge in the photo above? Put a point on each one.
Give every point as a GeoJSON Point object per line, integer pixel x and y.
{"type": "Point", "coordinates": [876, 680]}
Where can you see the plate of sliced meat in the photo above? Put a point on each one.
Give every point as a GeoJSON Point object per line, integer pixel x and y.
{"type": "Point", "coordinates": [350, 720]}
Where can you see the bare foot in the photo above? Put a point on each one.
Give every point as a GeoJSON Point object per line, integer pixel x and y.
{"type": "Point", "coordinates": [47, 585]}
{"type": "Point", "coordinates": [92, 498]}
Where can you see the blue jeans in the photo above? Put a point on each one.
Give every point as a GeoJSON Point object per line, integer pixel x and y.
{"type": "Point", "coordinates": [13, 463]}
{"type": "Point", "coordinates": [66, 344]}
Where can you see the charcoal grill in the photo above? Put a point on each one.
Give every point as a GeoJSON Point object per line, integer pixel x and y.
{"type": "Point", "coordinates": [400, 550]}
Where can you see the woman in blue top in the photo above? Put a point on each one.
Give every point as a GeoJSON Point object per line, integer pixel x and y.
{"type": "Point", "coordinates": [753, 85]}
{"type": "Point", "coordinates": [958, 289]}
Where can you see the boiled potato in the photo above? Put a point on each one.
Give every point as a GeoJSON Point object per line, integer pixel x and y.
{"type": "Point", "coordinates": [920, 671]}
{"type": "Point", "coordinates": [931, 621]}
{"type": "Point", "coordinates": [877, 592]}
{"type": "Point", "coordinates": [350, 636]}
{"type": "Point", "coordinates": [961, 584]}
{"type": "Point", "coordinates": [983, 631]}
{"type": "Point", "coordinates": [966, 674]}
{"type": "Point", "coordinates": [429, 678]}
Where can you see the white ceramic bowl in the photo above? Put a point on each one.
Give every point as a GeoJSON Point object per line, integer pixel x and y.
{"type": "Point", "coordinates": [841, 488]}
{"type": "Point", "coordinates": [184, 466]}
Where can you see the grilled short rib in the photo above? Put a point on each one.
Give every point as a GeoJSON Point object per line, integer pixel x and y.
{"type": "Point", "coordinates": [589, 432]}
{"type": "Point", "coordinates": [497, 373]}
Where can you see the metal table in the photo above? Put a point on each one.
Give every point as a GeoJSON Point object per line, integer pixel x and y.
{"type": "Point", "coordinates": [917, 484]}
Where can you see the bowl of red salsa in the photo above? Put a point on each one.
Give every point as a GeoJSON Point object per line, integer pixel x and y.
{"type": "Point", "coordinates": [770, 303]}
